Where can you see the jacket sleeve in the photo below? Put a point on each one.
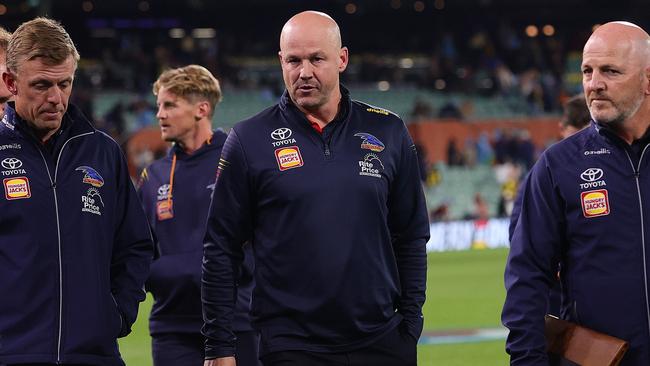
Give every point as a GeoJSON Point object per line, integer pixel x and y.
{"type": "Point", "coordinates": [409, 227]}
{"type": "Point", "coordinates": [132, 248]}
{"type": "Point", "coordinates": [531, 266]}
{"type": "Point", "coordinates": [228, 227]}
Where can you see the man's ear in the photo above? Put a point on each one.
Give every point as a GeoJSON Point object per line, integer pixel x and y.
{"type": "Point", "coordinates": [202, 110]}
{"type": "Point", "coordinates": [10, 82]}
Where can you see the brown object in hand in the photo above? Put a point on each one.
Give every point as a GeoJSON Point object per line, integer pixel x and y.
{"type": "Point", "coordinates": [581, 345]}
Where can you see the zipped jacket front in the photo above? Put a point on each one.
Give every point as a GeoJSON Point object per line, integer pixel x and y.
{"type": "Point", "coordinates": [585, 205]}
{"type": "Point", "coordinates": [75, 247]}
{"type": "Point", "coordinates": [175, 192]}
{"type": "Point", "coordinates": [338, 224]}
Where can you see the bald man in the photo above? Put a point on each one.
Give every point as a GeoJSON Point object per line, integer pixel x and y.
{"type": "Point", "coordinates": [586, 206]}
{"type": "Point", "coordinates": [327, 190]}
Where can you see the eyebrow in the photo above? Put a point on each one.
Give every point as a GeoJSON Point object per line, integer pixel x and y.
{"type": "Point", "coordinates": [48, 81]}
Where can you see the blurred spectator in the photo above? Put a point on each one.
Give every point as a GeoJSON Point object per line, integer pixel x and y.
{"type": "Point", "coordinates": [454, 155]}
{"type": "Point", "coordinates": [484, 151]}
{"type": "Point", "coordinates": [524, 152]}
{"type": "Point", "coordinates": [575, 117]}
{"type": "Point", "coordinates": [439, 213]}
{"type": "Point", "coordinates": [422, 110]}
{"type": "Point", "coordinates": [450, 110]}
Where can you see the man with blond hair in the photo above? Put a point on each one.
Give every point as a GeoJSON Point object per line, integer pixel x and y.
{"type": "Point", "coordinates": [175, 192]}
{"type": "Point", "coordinates": [5, 95]}
{"type": "Point", "coordinates": [327, 190]}
{"type": "Point", "coordinates": [585, 206]}
{"type": "Point", "coordinates": [75, 246]}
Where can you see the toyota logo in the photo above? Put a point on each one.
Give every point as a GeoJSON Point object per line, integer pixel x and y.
{"type": "Point", "coordinates": [592, 174]}
{"type": "Point", "coordinates": [281, 133]}
{"type": "Point", "coordinates": [11, 163]}
{"type": "Point", "coordinates": [163, 190]}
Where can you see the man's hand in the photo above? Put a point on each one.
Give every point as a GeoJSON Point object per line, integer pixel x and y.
{"type": "Point", "coordinates": [222, 361]}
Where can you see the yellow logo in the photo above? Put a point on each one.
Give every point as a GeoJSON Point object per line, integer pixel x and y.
{"type": "Point", "coordinates": [288, 157]}
{"type": "Point", "coordinates": [595, 203]}
{"type": "Point", "coordinates": [17, 188]}
{"type": "Point", "coordinates": [377, 110]}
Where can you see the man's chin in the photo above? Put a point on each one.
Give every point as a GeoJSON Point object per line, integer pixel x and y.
{"type": "Point", "coordinates": [167, 138]}
{"type": "Point", "coordinates": [308, 104]}
{"type": "Point", "coordinates": [608, 120]}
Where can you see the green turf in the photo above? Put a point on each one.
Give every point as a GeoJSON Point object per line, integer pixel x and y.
{"type": "Point", "coordinates": [464, 290]}
{"type": "Point", "coordinates": [484, 354]}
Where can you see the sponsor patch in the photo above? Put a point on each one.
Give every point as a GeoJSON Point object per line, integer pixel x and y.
{"type": "Point", "coordinates": [281, 133]}
{"type": "Point", "coordinates": [16, 188]}
{"type": "Point", "coordinates": [601, 151]}
{"type": "Point", "coordinates": [164, 210]}
{"type": "Point", "coordinates": [163, 192]}
{"type": "Point", "coordinates": [370, 142]}
{"type": "Point", "coordinates": [288, 157]}
{"type": "Point", "coordinates": [371, 166]}
{"type": "Point", "coordinates": [91, 176]}
{"type": "Point", "coordinates": [10, 146]}
{"type": "Point", "coordinates": [377, 110]}
{"type": "Point", "coordinates": [91, 202]}
{"type": "Point", "coordinates": [595, 203]}
{"type": "Point", "coordinates": [592, 178]}
{"type": "Point", "coordinates": [12, 166]}
{"type": "Point", "coordinates": [282, 137]}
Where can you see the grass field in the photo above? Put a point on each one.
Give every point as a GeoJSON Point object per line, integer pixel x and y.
{"type": "Point", "coordinates": [464, 290]}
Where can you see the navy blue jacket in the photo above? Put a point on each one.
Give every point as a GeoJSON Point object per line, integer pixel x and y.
{"type": "Point", "coordinates": [175, 279]}
{"type": "Point", "coordinates": [585, 205]}
{"type": "Point", "coordinates": [338, 225]}
{"type": "Point", "coordinates": [75, 247]}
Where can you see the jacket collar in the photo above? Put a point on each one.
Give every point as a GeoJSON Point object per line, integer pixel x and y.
{"type": "Point", "coordinates": [610, 135]}
{"type": "Point", "coordinates": [73, 122]}
{"type": "Point", "coordinates": [216, 142]}
{"type": "Point", "coordinates": [286, 103]}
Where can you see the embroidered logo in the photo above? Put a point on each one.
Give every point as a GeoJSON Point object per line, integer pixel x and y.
{"type": "Point", "coordinates": [601, 151]}
{"type": "Point", "coordinates": [595, 203]}
{"type": "Point", "coordinates": [91, 176]}
{"type": "Point", "coordinates": [282, 137]}
{"type": "Point", "coordinates": [163, 192]}
{"type": "Point", "coordinates": [593, 178]}
{"type": "Point", "coordinates": [281, 133]}
{"type": "Point", "coordinates": [288, 158]}
{"type": "Point", "coordinates": [164, 210]}
{"type": "Point", "coordinates": [16, 188]}
{"type": "Point", "coordinates": [371, 166]}
{"type": "Point", "coordinates": [370, 142]}
{"type": "Point", "coordinates": [11, 163]}
{"type": "Point", "coordinates": [10, 146]}
{"type": "Point", "coordinates": [13, 166]}
{"type": "Point", "coordinates": [91, 201]}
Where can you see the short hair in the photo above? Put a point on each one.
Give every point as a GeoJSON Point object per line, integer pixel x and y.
{"type": "Point", "coordinates": [42, 38]}
{"type": "Point", "coordinates": [192, 82]}
{"type": "Point", "coordinates": [576, 112]}
{"type": "Point", "coordinates": [5, 36]}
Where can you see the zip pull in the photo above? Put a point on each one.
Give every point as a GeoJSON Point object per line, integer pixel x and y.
{"type": "Point", "coordinates": [327, 150]}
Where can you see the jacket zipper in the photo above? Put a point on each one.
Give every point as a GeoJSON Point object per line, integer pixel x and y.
{"type": "Point", "coordinates": [638, 190]}
{"type": "Point", "coordinates": [58, 235]}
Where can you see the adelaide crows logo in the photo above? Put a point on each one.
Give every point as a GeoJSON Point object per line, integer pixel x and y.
{"type": "Point", "coordinates": [91, 176]}
{"type": "Point", "coordinates": [370, 142]}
